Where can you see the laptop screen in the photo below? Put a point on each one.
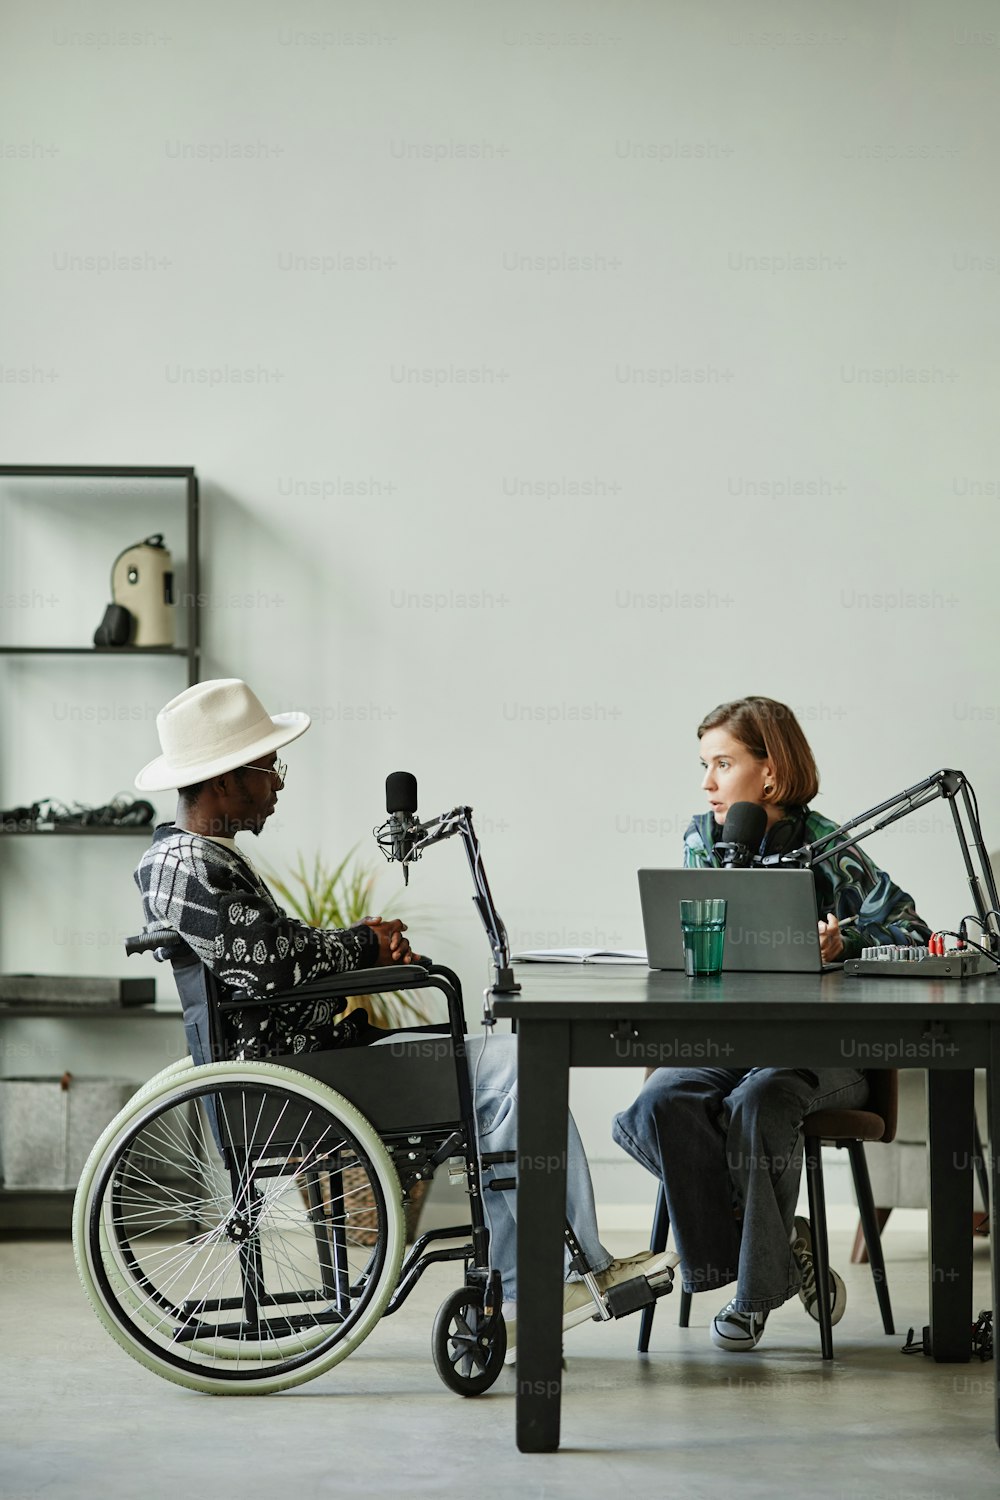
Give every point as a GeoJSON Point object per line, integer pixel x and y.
{"type": "Point", "coordinates": [771, 924]}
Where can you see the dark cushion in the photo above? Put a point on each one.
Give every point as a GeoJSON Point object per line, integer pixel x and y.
{"type": "Point", "coordinates": [844, 1125]}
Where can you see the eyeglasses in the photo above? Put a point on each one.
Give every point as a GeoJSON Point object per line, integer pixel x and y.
{"type": "Point", "coordinates": [279, 771]}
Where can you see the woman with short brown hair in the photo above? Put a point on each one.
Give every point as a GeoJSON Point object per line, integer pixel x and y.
{"type": "Point", "coordinates": [726, 1142]}
{"type": "Point", "coordinates": [754, 750]}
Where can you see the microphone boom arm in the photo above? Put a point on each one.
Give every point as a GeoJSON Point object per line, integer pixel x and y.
{"type": "Point", "coordinates": [421, 835]}
{"type": "Point", "coordinates": [944, 783]}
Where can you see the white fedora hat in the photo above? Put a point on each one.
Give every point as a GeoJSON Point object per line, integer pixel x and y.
{"type": "Point", "coordinates": [214, 727]}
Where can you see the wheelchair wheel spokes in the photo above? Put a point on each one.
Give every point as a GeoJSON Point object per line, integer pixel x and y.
{"type": "Point", "coordinates": [205, 1259]}
{"type": "Point", "coordinates": [465, 1355]}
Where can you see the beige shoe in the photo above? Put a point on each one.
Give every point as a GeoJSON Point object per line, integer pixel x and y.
{"type": "Point", "coordinates": [509, 1311]}
{"type": "Point", "coordinates": [578, 1304]}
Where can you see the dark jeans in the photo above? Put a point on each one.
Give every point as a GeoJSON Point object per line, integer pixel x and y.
{"type": "Point", "coordinates": [727, 1145]}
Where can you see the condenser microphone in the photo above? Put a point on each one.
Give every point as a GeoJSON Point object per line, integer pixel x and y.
{"type": "Point", "coordinates": [742, 834]}
{"type": "Point", "coordinates": [401, 805]}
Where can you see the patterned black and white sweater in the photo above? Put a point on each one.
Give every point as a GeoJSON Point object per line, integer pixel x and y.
{"type": "Point", "coordinates": [214, 899]}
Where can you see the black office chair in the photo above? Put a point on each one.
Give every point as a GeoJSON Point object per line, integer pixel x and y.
{"type": "Point", "coordinates": [838, 1127]}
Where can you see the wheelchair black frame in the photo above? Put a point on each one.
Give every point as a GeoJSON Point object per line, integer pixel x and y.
{"type": "Point", "coordinates": [415, 1153]}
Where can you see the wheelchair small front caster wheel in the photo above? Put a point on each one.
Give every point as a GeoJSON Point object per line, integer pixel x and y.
{"type": "Point", "coordinates": [468, 1348]}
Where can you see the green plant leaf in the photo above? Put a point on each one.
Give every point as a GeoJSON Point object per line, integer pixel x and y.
{"type": "Point", "coordinates": [340, 896]}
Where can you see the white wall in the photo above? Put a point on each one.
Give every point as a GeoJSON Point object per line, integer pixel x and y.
{"type": "Point", "coordinates": [667, 374]}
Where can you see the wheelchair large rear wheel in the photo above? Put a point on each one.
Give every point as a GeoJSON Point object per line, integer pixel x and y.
{"type": "Point", "coordinates": [215, 1228]}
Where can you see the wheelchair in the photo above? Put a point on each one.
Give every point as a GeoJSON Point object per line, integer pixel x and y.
{"type": "Point", "coordinates": [239, 1226]}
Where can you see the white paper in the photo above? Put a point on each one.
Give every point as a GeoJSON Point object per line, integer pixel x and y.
{"type": "Point", "coordinates": [581, 956]}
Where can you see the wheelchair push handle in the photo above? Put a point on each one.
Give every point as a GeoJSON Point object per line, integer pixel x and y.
{"type": "Point", "coordinates": [145, 942]}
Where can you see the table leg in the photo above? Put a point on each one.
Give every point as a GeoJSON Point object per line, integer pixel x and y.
{"type": "Point", "coordinates": [542, 1113]}
{"type": "Point", "coordinates": [949, 1142]}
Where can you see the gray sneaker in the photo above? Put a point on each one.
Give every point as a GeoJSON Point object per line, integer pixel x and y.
{"type": "Point", "coordinates": [737, 1331]}
{"type": "Point", "coordinates": [802, 1249]}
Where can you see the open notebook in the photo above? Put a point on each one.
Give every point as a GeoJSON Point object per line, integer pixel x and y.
{"type": "Point", "coordinates": [580, 956]}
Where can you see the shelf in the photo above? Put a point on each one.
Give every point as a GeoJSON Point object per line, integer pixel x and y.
{"type": "Point", "coordinates": [85, 1012]}
{"type": "Point", "coordinates": [91, 471]}
{"type": "Point", "coordinates": [36, 1211]}
{"type": "Point", "coordinates": [93, 651]}
{"type": "Point", "coordinates": [23, 1192]}
{"type": "Point", "coordinates": [97, 831]}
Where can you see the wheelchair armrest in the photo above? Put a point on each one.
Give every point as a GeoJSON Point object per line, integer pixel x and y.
{"type": "Point", "coordinates": [378, 981]}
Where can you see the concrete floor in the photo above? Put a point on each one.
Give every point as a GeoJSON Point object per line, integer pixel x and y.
{"type": "Point", "coordinates": [82, 1420]}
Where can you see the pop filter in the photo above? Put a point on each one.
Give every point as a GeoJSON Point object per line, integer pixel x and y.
{"type": "Point", "coordinates": [742, 835]}
{"type": "Point", "coordinates": [401, 793]}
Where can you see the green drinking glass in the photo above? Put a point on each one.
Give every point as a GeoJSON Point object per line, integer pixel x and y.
{"type": "Point", "coordinates": [703, 928]}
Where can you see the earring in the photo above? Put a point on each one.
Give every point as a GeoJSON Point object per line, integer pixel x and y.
{"type": "Point", "coordinates": [768, 790]}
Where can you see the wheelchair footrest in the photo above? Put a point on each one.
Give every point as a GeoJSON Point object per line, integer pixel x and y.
{"type": "Point", "coordinates": [632, 1296]}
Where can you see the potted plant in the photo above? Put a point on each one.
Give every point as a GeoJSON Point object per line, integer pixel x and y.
{"type": "Point", "coordinates": [341, 897]}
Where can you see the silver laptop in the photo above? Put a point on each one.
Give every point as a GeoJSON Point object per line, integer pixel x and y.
{"type": "Point", "coordinates": [770, 920]}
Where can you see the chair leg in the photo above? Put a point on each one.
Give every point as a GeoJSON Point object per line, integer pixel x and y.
{"type": "Point", "coordinates": [821, 1252]}
{"type": "Point", "coordinates": [657, 1242]}
{"type": "Point", "coordinates": [859, 1250]}
{"type": "Point", "coordinates": [685, 1312]}
{"type": "Point", "coordinates": [870, 1225]}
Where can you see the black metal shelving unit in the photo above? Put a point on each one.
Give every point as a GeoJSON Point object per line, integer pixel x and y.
{"type": "Point", "coordinates": [49, 1207]}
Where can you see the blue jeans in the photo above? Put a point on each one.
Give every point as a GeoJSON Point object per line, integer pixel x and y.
{"type": "Point", "coordinates": [727, 1146]}
{"type": "Point", "coordinates": [493, 1069]}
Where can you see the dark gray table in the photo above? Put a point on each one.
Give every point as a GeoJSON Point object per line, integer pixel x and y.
{"type": "Point", "coordinates": [597, 1016]}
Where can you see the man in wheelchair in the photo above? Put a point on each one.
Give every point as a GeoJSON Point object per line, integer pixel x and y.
{"type": "Point", "coordinates": [219, 750]}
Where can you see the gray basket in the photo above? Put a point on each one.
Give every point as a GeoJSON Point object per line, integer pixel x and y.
{"type": "Point", "coordinates": [48, 1126]}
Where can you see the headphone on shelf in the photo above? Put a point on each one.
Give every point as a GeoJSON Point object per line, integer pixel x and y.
{"type": "Point", "coordinates": [120, 812]}
{"type": "Point", "coordinates": [143, 575]}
